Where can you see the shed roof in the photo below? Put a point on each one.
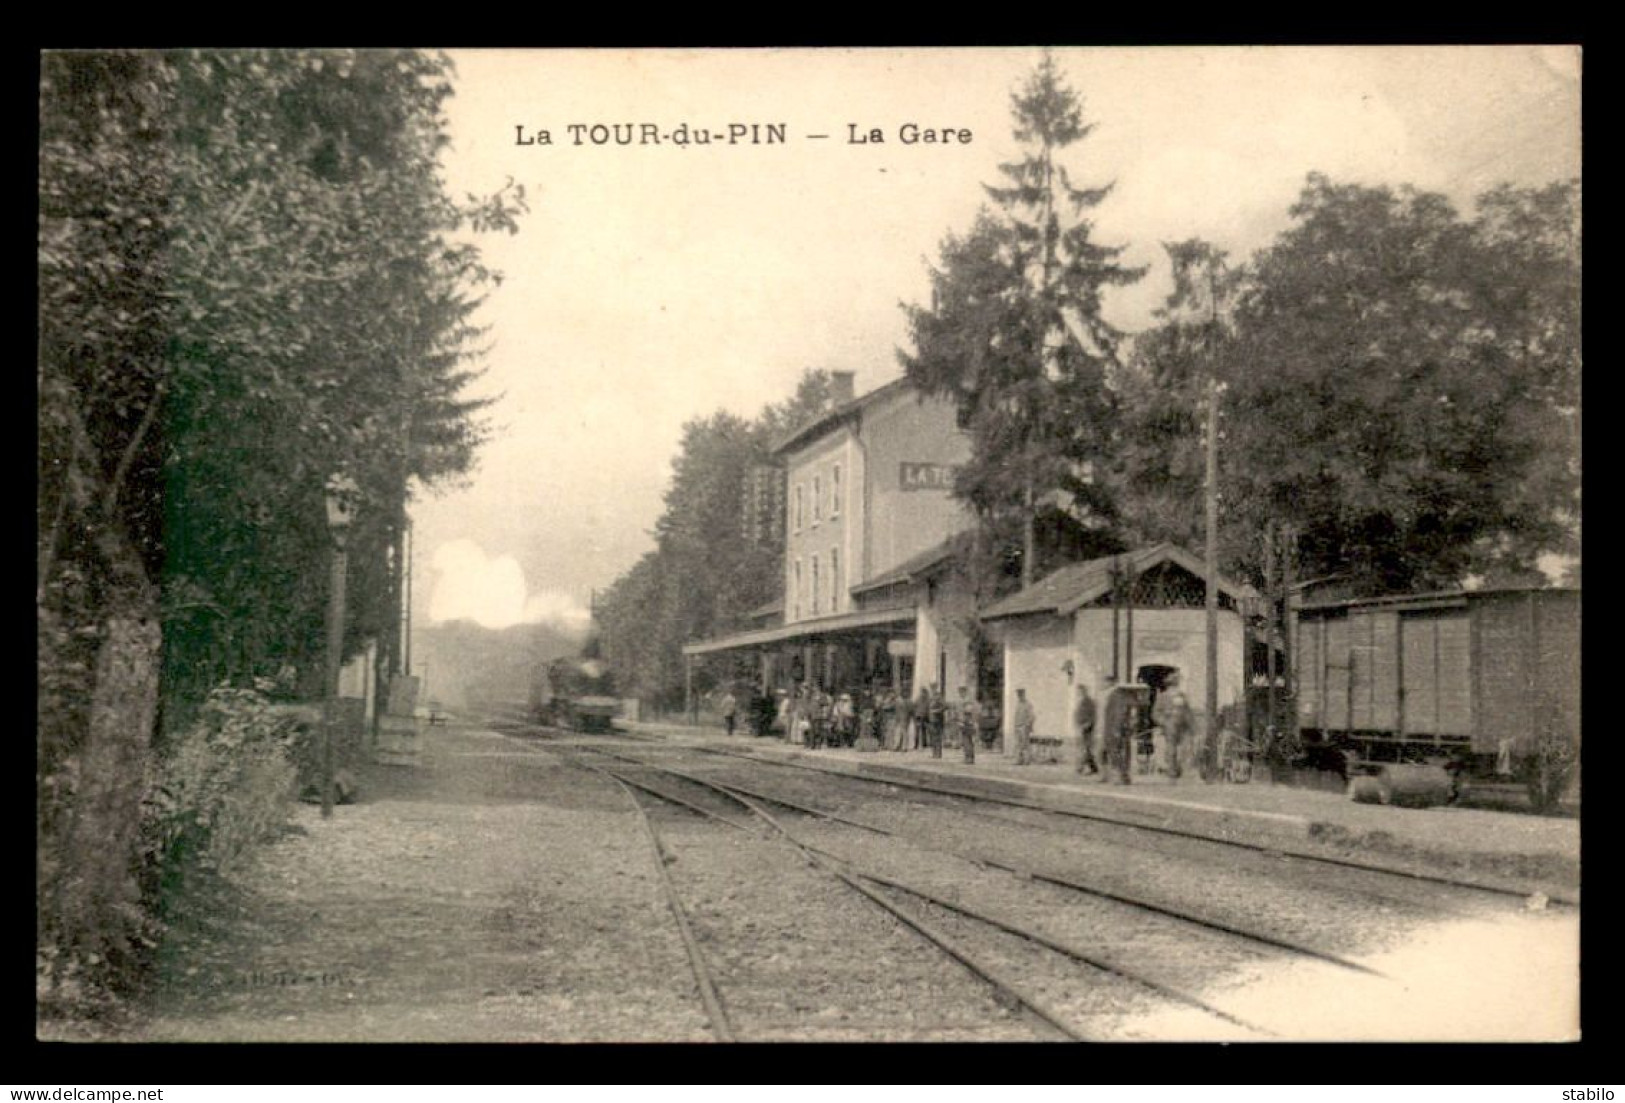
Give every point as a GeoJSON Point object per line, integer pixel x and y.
{"type": "Point", "coordinates": [1075, 585]}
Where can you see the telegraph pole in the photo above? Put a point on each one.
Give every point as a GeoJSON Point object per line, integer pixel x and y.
{"type": "Point", "coordinates": [1289, 566]}
{"type": "Point", "coordinates": [1212, 496]}
{"type": "Point", "coordinates": [1117, 601]}
{"type": "Point", "coordinates": [1271, 619]}
{"type": "Point", "coordinates": [1129, 676]}
{"type": "Point", "coordinates": [406, 613]}
{"type": "Point", "coordinates": [1029, 542]}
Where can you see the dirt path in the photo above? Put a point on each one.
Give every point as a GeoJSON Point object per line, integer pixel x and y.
{"type": "Point", "coordinates": [490, 894]}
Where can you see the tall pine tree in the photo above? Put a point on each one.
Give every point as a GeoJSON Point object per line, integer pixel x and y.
{"type": "Point", "coordinates": [1016, 337]}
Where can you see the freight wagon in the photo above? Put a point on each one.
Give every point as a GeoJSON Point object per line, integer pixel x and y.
{"type": "Point", "coordinates": [1486, 683]}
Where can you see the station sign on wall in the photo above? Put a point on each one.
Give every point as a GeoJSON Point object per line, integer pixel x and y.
{"type": "Point", "coordinates": [1158, 641]}
{"type": "Point", "coordinates": [926, 476]}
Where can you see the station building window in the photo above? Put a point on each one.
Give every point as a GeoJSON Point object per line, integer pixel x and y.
{"type": "Point", "coordinates": [834, 580]}
{"type": "Point", "coordinates": [814, 602]}
{"type": "Point", "coordinates": [796, 513]}
{"type": "Point", "coordinates": [795, 591]}
{"type": "Point", "coordinates": [817, 499]}
{"type": "Point", "coordinates": [835, 492]}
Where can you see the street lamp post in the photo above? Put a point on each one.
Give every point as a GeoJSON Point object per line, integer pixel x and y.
{"type": "Point", "coordinates": [341, 496]}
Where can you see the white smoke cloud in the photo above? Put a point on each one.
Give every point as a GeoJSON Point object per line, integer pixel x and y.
{"type": "Point", "coordinates": [490, 590]}
{"type": "Point", "coordinates": [559, 610]}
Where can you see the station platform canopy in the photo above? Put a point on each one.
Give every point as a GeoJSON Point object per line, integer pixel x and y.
{"type": "Point", "coordinates": [808, 631]}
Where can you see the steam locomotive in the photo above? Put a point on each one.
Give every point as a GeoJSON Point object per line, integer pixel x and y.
{"type": "Point", "coordinates": [575, 693]}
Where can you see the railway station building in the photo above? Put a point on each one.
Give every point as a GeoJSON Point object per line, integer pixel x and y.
{"type": "Point", "coordinates": [870, 595]}
{"type": "Point", "coordinates": [870, 526]}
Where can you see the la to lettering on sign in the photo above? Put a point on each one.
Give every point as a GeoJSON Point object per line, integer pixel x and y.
{"type": "Point", "coordinates": [733, 134]}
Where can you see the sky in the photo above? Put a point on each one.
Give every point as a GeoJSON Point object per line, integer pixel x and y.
{"type": "Point", "coordinates": [654, 283]}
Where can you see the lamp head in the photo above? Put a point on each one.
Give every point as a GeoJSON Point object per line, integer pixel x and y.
{"type": "Point", "coordinates": [343, 493]}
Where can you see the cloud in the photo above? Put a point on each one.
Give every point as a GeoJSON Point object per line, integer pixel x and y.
{"type": "Point", "coordinates": [490, 591]}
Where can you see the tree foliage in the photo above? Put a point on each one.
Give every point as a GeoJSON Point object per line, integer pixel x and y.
{"type": "Point", "coordinates": [1402, 386]}
{"type": "Point", "coordinates": [325, 328]}
{"type": "Point", "coordinates": [1015, 334]}
{"type": "Point", "coordinates": [250, 278]}
{"type": "Point", "coordinates": [1160, 465]}
{"type": "Point", "coordinates": [704, 573]}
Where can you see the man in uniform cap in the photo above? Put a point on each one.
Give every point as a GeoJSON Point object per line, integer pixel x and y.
{"type": "Point", "coordinates": [1083, 723]}
{"type": "Point", "coordinates": [1172, 713]}
{"type": "Point", "coordinates": [936, 715]}
{"type": "Point", "coordinates": [970, 719]}
{"type": "Point", "coordinates": [1122, 717]}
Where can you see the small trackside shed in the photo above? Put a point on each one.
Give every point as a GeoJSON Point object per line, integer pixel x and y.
{"type": "Point", "coordinates": [1476, 675]}
{"type": "Point", "coordinates": [1131, 619]}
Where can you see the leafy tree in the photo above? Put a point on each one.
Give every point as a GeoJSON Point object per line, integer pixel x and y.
{"type": "Point", "coordinates": [1402, 387]}
{"type": "Point", "coordinates": [1016, 338]}
{"type": "Point", "coordinates": [249, 278]}
{"type": "Point", "coordinates": [1411, 382]}
{"type": "Point", "coordinates": [328, 296]}
{"type": "Point", "coordinates": [1160, 466]}
{"type": "Point", "coordinates": [702, 576]}
{"type": "Point", "coordinates": [104, 337]}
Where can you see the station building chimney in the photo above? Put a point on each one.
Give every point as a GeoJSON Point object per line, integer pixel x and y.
{"type": "Point", "coordinates": [841, 387]}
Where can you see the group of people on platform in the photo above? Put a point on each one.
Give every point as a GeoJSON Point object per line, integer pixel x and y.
{"type": "Point", "coordinates": [1117, 742]}
{"type": "Point", "coordinates": [1114, 739]}
{"type": "Point", "coordinates": [880, 716]}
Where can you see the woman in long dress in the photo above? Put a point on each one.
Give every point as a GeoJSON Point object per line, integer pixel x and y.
{"type": "Point", "coordinates": [781, 719]}
{"type": "Point", "coordinates": [797, 708]}
{"type": "Point", "coordinates": [905, 723]}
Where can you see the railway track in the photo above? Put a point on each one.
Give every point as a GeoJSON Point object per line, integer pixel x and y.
{"type": "Point", "coordinates": [884, 892]}
{"type": "Point", "coordinates": [1059, 968]}
{"type": "Point", "coordinates": [717, 1018]}
{"type": "Point", "coordinates": [723, 1024]}
{"type": "Point", "coordinates": [1024, 872]}
{"type": "Point", "coordinates": [1102, 848]}
{"type": "Point", "coordinates": [1045, 817]}
{"type": "Point", "coordinates": [1271, 850]}
{"type": "Point", "coordinates": [1059, 962]}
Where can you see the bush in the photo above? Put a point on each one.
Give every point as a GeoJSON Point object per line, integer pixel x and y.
{"type": "Point", "coordinates": [225, 785]}
{"type": "Point", "coordinates": [221, 786]}
{"type": "Point", "coordinates": [1549, 771]}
